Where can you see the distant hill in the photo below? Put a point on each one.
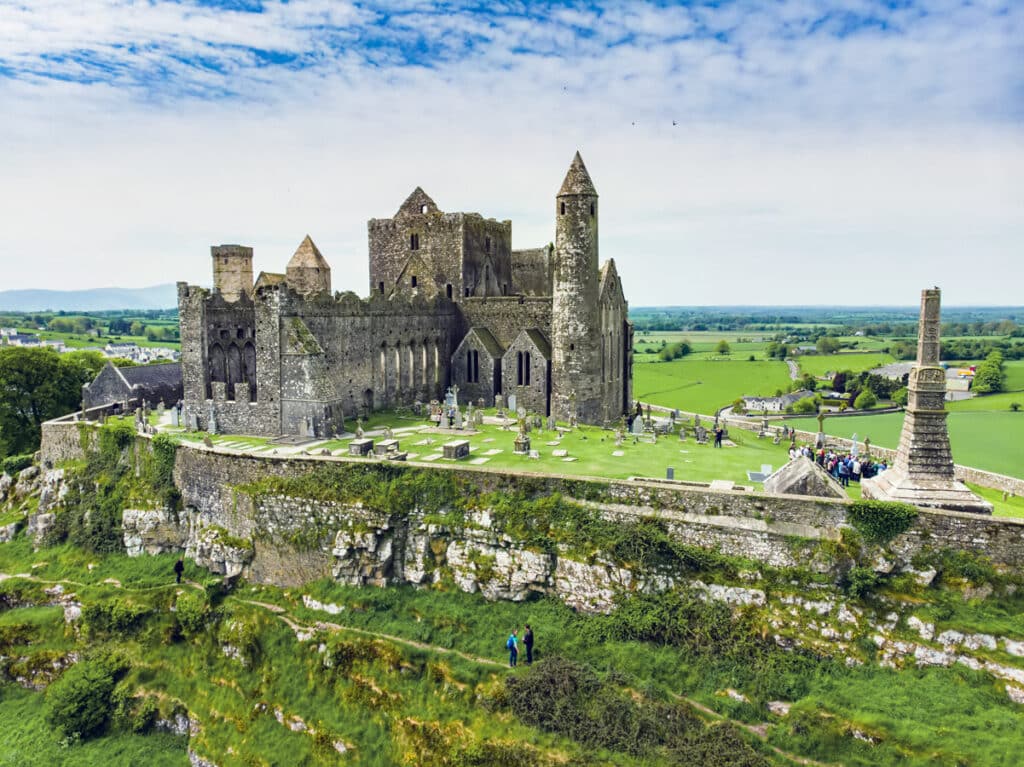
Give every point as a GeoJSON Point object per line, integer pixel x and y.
{"type": "Point", "coordinates": [96, 299]}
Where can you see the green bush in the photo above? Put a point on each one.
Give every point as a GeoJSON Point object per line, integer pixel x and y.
{"type": "Point", "coordinates": [115, 616]}
{"type": "Point", "coordinates": [880, 521]}
{"type": "Point", "coordinates": [860, 581]}
{"type": "Point", "coordinates": [80, 703]}
{"type": "Point", "coordinates": [192, 610]}
{"type": "Point", "coordinates": [900, 396]}
{"type": "Point", "coordinates": [15, 463]}
{"type": "Point", "coordinates": [865, 400]}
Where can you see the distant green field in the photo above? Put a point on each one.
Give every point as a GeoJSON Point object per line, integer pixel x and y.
{"type": "Point", "coordinates": [704, 386]}
{"type": "Point", "coordinates": [820, 364]}
{"type": "Point", "coordinates": [1014, 375]}
{"type": "Point", "coordinates": [982, 439]}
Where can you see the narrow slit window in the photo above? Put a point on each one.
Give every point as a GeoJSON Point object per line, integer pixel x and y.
{"type": "Point", "coordinates": [380, 287]}
{"type": "Point", "coordinates": [487, 244]}
{"type": "Point", "coordinates": [448, 290]}
{"type": "Point", "coordinates": [414, 242]}
{"type": "Point", "coordinates": [563, 208]}
{"type": "Point", "coordinates": [526, 368]}
{"type": "Point", "coordinates": [413, 280]}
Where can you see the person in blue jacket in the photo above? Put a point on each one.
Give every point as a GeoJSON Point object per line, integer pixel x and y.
{"type": "Point", "coordinates": [512, 645]}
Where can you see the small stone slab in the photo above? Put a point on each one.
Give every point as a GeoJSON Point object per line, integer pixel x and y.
{"type": "Point", "coordinates": [427, 441]}
{"type": "Point", "coordinates": [722, 484]}
{"type": "Point", "coordinates": [618, 453]}
{"type": "Point", "coordinates": [411, 456]}
{"type": "Point", "coordinates": [478, 461]}
{"type": "Point", "coordinates": [431, 457]}
{"type": "Point", "coordinates": [554, 443]}
{"type": "Point", "coordinates": [493, 451]}
{"type": "Point", "coordinates": [489, 439]}
{"type": "Point", "coordinates": [559, 453]}
{"type": "Point", "coordinates": [360, 446]}
{"type": "Point", "coordinates": [570, 459]}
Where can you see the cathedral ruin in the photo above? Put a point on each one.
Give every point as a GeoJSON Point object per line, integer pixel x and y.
{"type": "Point", "coordinates": [450, 304]}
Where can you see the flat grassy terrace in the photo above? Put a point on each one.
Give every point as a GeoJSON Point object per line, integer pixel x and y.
{"type": "Point", "coordinates": [590, 450]}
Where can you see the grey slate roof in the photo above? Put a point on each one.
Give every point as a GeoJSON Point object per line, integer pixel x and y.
{"type": "Point", "coordinates": [164, 374]}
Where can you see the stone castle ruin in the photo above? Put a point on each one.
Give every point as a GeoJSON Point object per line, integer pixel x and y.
{"type": "Point", "coordinates": [450, 304]}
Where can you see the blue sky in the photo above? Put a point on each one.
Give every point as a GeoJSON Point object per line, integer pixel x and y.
{"type": "Point", "coordinates": [746, 152]}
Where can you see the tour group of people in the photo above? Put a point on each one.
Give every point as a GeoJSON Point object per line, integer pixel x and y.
{"type": "Point", "coordinates": [845, 467]}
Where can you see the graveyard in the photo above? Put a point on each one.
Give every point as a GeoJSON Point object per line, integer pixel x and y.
{"type": "Point", "coordinates": [579, 451]}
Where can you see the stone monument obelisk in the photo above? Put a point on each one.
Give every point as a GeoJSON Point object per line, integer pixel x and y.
{"type": "Point", "coordinates": [922, 473]}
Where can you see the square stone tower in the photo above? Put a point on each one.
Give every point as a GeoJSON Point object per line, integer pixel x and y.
{"type": "Point", "coordinates": [922, 473]}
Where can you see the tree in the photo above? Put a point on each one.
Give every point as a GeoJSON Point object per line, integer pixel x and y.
{"type": "Point", "coordinates": [35, 386]}
{"type": "Point", "coordinates": [723, 347]}
{"type": "Point", "coordinates": [900, 396]}
{"type": "Point", "coordinates": [990, 375]}
{"type": "Point", "coordinates": [739, 406]}
{"type": "Point", "coordinates": [865, 400]}
{"type": "Point", "coordinates": [137, 328]}
{"type": "Point", "coordinates": [827, 345]}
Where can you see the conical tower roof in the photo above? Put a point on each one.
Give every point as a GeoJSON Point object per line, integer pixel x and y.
{"type": "Point", "coordinates": [577, 180]}
{"type": "Point", "coordinates": [308, 255]}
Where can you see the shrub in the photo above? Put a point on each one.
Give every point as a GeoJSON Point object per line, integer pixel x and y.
{"type": "Point", "coordinates": [881, 521]}
{"type": "Point", "coordinates": [80, 703]}
{"type": "Point", "coordinates": [192, 610]}
{"type": "Point", "coordinates": [1015, 406]}
{"type": "Point", "coordinates": [900, 396]}
{"type": "Point", "coordinates": [116, 616]}
{"type": "Point", "coordinates": [865, 400]}
{"type": "Point", "coordinates": [15, 463]}
{"type": "Point", "coordinates": [860, 581]}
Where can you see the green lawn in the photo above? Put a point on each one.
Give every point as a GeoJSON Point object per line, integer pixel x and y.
{"type": "Point", "coordinates": [593, 447]}
{"type": "Point", "coordinates": [704, 386]}
{"type": "Point", "coordinates": [821, 364]}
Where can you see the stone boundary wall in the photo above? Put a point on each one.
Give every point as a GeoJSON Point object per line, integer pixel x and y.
{"type": "Point", "coordinates": [62, 441]}
{"type": "Point", "coordinates": [738, 522]}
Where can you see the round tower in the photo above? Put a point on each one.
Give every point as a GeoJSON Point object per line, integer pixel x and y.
{"type": "Point", "coordinates": [575, 322]}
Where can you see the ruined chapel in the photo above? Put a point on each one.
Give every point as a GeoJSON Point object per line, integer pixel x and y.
{"type": "Point", "coordinates": [450, 304]}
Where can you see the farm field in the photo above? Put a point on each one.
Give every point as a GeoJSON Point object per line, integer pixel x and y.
{"type": "Point", "coordinates": [818, 365]}
{"type": "Point", "coordinates": [704, 386]}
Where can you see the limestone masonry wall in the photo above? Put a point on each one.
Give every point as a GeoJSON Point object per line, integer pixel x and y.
{"type": "Point", "coordinates": [357, 546]}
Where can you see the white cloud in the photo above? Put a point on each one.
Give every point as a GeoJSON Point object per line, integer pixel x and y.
{"type": "Point", "coordinates": [805, 167]}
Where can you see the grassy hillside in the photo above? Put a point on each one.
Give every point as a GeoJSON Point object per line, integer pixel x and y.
{"type": "Point", "coordinates": [400, 676]}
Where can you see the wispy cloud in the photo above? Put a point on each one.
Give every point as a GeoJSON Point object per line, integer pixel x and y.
{"type": "Point", "coordinates": [736, 132]}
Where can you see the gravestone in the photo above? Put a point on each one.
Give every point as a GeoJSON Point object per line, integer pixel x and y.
{"type": "Point", "coordinates": [457, 449]}
{"type": "Point", "coordinates": [175, 417]}
{"type": "Point", "coordinates": [512, 403]}
{"type": "Point", "coordinates": [551, 423]}
{"type": "Point", "coordinates": [521, 445]}
{"type": "Point", "coordinates": [458, 418]}
{"type": "Point", "coordinates": [670, 473]}
{"type": "Point", "coordinates": [499, 401]}
{"type": "Point", "coordinates": [386, 446]}
{"type": "Point", "coordinates": [478, 418]}
{"type": "Point", "coordinates": [212, 426]}
{"type": "Point", "coordinates": [637, 427]}
{"type": "Point", "coordinates": [360, 446]}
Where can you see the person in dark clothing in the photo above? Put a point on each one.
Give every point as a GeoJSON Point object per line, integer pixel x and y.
{"type": "Point", "coordinates": [528, 643]}
{"type": "Point", "coordinates": [718, 437]}
{"type": "Point", "coordinates": [179, 568]}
